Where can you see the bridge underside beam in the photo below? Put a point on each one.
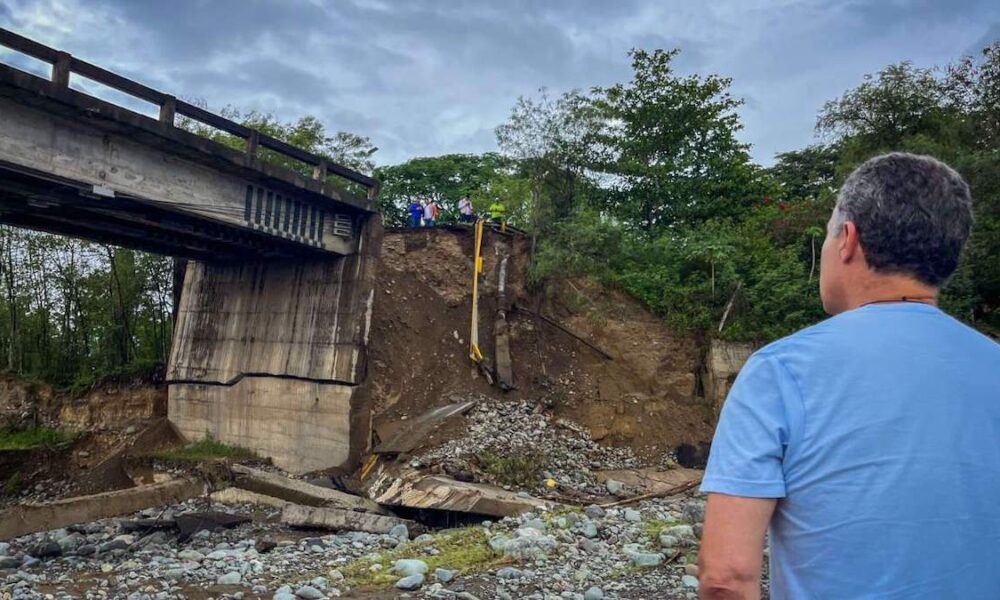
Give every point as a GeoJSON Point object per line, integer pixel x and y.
{"type": "Point", "coordinates": [63, 207]}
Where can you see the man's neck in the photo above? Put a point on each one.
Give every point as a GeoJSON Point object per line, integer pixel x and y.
{"type": "Point", "coordinates": [893, 288]}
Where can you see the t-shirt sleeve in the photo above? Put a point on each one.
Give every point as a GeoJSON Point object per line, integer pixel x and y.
{"type": "Point", "coordinates": [748, 450]}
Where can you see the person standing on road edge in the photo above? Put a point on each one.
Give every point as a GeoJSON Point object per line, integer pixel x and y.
{"type": "Point", "coordinates": [497, 211]}
{"type": "Point", "coordinates": [416, 212]}
{"type": "Point", "coordinates": [430, 212]}
{"type": "Point", "coordinates": [465, 210]}
{"type": "Point", "coordinates": [868, 442]}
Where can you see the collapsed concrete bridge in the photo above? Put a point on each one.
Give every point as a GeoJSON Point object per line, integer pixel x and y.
{"type": "Point", "coordinates": [270, 341]}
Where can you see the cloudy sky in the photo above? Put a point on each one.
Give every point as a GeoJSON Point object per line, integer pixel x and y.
{"type": "Point", "coordinates": [424, 77]}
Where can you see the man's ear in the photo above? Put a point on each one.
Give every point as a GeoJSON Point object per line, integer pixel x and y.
{"type": "Point", "coordinates": [849, 243]}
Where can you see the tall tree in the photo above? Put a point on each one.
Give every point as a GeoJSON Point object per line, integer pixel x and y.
{"type": "Point", "coordinates": [668, 147]}
{"type": "Point", "coordinates": [546, 138]}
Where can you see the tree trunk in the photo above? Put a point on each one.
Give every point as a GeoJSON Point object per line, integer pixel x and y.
{"type": "Point", "coordinates": [812, 267]}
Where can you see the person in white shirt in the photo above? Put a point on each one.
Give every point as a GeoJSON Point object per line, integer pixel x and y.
{"type": "Point", "coordinates": [465, 209]}
{"type": "Point", "coordinates": [430, 212]}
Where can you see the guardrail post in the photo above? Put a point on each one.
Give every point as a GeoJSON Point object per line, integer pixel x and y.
{"type": "Point", "coordinates": [61, 69]}
{"type": "Point", "coordinates": [168, 110]}
{"type": "Point", "coordinates": [252, 142]}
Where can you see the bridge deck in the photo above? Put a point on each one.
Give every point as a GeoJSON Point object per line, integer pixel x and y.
{"type": "Point", "coordinates": [73, 164]}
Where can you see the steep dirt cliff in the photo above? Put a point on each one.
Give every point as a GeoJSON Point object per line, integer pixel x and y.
{"type": "Point", "coordinates": [644, 396]}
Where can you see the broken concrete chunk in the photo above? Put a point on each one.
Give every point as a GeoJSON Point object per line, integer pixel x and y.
{"type": "Point", "coordinates": [338, 519]}
{"type": "Point", "coordinates": [413, 489]}
{"type": "Point", "coordinates": [299, 492]}
{"type": "Point", "coordinates": [234, 495]}
{"type": "Point", "coordinates": [30, 518]}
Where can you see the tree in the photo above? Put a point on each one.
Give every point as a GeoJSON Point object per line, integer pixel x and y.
{"type": "Point", "coordinates": [308, 133]}
{"type": "Point", "coordinates": [668, 148]}
{"type": "Point", "coordinates": [546, 137]}
{"type": "Point", "coordinates": [900, 101]}
{"type": "Point", "coordinates": [807, 173]}
{"type": "Point", "coordinates": [974, 85]}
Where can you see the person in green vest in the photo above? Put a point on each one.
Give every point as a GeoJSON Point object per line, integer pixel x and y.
{"type": "Point", "coordinates": [497, 212]}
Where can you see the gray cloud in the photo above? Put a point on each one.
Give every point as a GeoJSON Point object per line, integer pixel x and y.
{"type": "Point", "coordinates": [989, 38]}
{"type": "Point", "coordinates": [423, 77]}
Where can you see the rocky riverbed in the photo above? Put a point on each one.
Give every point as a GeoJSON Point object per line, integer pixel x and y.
{"type": "Point", "coordinates": [644, 551]}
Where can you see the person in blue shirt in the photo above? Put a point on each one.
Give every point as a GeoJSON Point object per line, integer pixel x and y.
{"type": "Point", "coordinates": [866, 447]}
{"type": "Point", "coordinates": [416, 212]}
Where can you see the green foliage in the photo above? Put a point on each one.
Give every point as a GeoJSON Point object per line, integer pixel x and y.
{"type": "Point", "coordinates": [522, 471]}
{"type": "Point", "coordinates": [652, 528]}
{"type": "Point", "coordinates": [807, 173]}
{"type": "Point", "coordinates": [73, 311]}
{"type": "Point", "coordinates": [711, 242]}
{"type": "Point", "coordinates": [668, 146]}
{"type": "Point", "coordinates": [207, 448]}
{"type": "Point", "coordinates": [39, 437]}
{"type": "Point", "coordinates": [466, 550]}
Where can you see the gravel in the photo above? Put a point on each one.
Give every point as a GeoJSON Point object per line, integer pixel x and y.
{"type": "Point", "coordinates": [568, 454]}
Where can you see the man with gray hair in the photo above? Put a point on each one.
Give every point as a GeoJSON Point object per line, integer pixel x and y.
{"type": "Point", "coordinates": [869, 443]}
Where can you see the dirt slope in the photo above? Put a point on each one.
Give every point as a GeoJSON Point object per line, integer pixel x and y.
{"type": "Point", "coordinates": [645, 397]}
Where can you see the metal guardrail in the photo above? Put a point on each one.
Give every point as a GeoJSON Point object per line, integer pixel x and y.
{"type": "Point", "coordinates": [64, 64]}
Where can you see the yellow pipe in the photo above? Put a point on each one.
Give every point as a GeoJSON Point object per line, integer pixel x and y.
{"type": "Point", "coordinates": [477, 268]}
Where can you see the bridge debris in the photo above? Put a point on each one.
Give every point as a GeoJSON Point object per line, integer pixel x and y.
{"type": "Point", "coordinates": [413, 489]}
{"type": "Point", "coordinates": [299, 492]}
{"type": "Point", "coordinates": [30, 518]}
{"type": "Point", "coordinates": [337, 519]}
{"type": "Point", "coordinates": [234, 495]}
{"type": "Point", "coordinates": [650, 480]}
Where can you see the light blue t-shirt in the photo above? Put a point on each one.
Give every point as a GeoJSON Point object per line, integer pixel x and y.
{"type": "Point", "coordinates": [879, 430]}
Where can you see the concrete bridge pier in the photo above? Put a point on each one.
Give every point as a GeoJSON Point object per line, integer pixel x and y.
{"type": "Point", "coordinates": [272, 355]}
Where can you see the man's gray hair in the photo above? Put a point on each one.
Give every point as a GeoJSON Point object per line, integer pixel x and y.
{"type": "Point", "coordinates": [913, 214]}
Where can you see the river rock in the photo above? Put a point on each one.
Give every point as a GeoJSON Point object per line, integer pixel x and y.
{"type": "Point", "coordinates": [406, 567]}
{"type": "Point", "coordinates": [230, 578]}
{"type": "Point", "coordinates": [308, 592]}
{"type": "Point", "coordinates": [410, 582]}
{"type": "Point", "coordinates": [594, 593]}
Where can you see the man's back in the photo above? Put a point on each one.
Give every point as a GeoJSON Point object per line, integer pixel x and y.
{"type": "Point", "coordinates": [883, 424]}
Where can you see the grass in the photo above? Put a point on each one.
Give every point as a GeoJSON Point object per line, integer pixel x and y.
{"type": "Point", "coordinates": [207, 448]}
{"type": "Point", "coordinates": [523, 471]}
{"type": "Point", "coordinates": [465, 550]}
{"type": "Point", "coordinates": [38, 437]}
{"type": "Point", "coordinates": [653, 527]}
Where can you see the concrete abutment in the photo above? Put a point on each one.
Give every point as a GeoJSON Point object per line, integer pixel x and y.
{"type": "Point", "coordinates": [272, 356]}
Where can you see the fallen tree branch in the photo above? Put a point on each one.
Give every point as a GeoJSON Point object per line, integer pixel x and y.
{"type": "Point", "coordinates": [677, 489]}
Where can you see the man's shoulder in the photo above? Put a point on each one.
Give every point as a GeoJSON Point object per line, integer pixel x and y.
{"type": "Point", "coordinates": [813, 335]}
